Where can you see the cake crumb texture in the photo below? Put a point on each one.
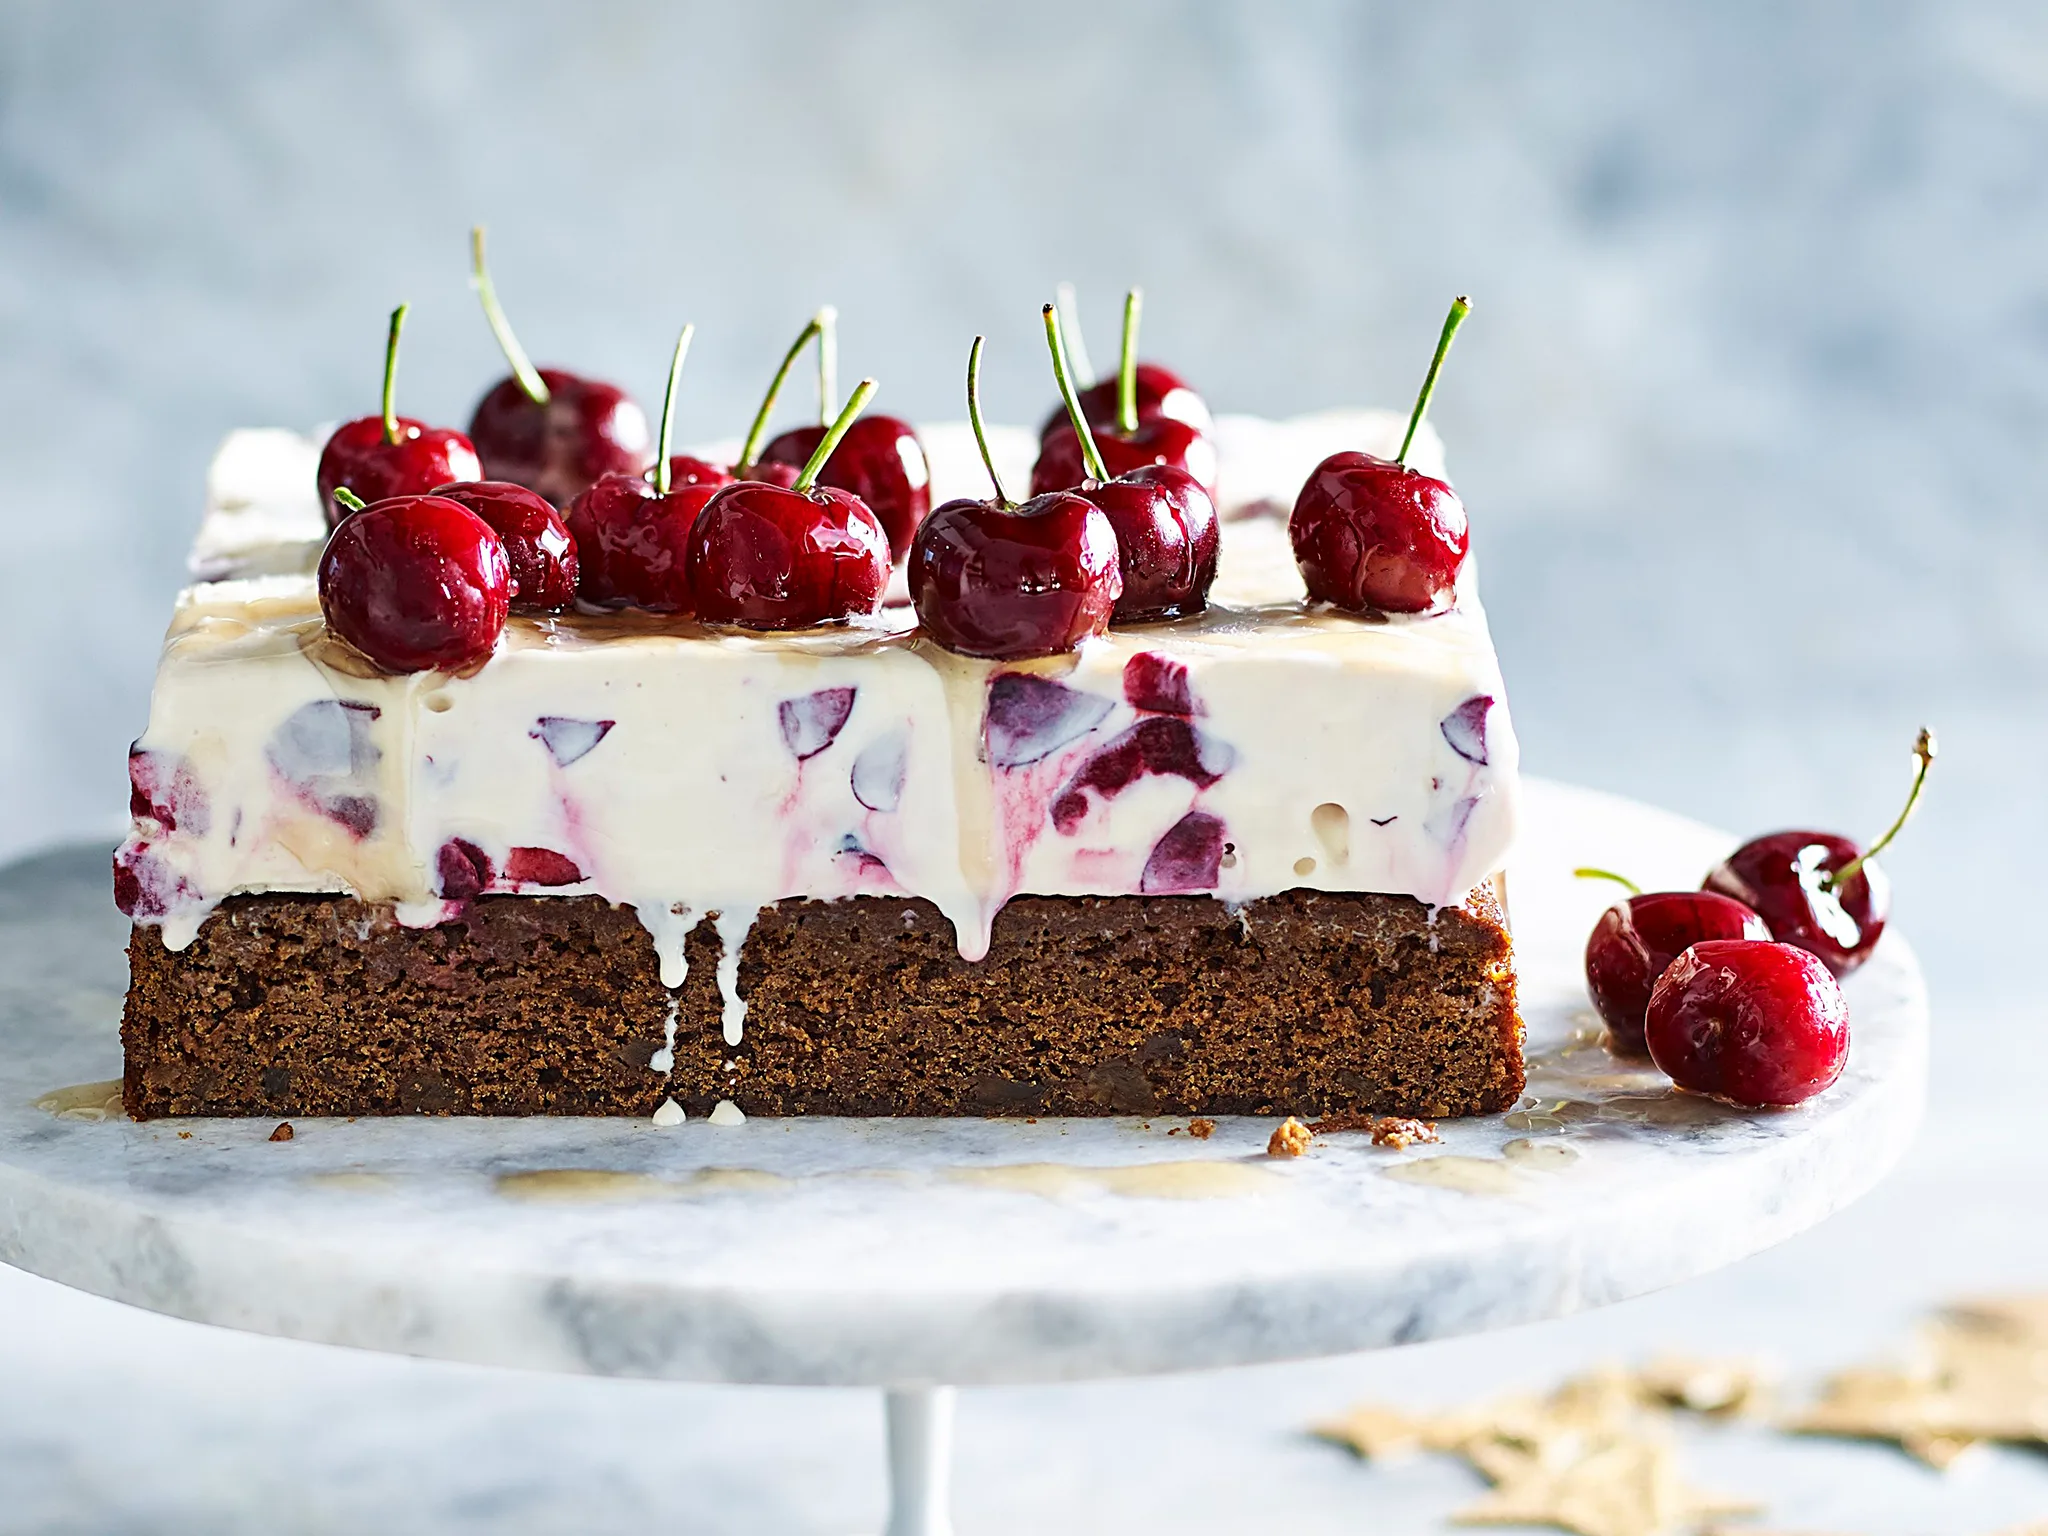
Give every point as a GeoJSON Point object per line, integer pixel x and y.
{"type": "Point", "coordinates": [1308, 1003]}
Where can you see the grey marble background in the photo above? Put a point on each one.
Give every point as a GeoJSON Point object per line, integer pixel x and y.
{"type": "Point", "coordinates": [1749, 420]}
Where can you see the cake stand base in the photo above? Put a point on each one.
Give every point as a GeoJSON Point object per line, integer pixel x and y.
{"type": "Point", "coordinates": [920, 1461]}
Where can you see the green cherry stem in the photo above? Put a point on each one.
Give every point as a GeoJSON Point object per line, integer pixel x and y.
{"type": "Point", "coordinates": [1587, 872]}
{"type": "Point", "coordinates": [750, 450]}
{"type": "Point", "coordinates": [391, 374]}
{"type": "Point", "coordinates": [974, 420]}
{"type": "Point", "coordinates": [1127, 366]}
{"type": "Point", "coordinates": [1923, 759]}
{"type": "Point", "coordinates": [668, 411]}
{"type": "Point", "coordinates": [1460, 308]}
{"type": "Point", "coordinates": [863, 392]}
{"type": "Point", "coordinates": [1090, 454]}
{"type": "Point", "coordinates": [531, 384]}
{"type": "Point", "coordinates": [1077, 344]}
{"type": "Point", "coordinates": [349, 499]}
{"type": "Point", "coordinates": [828, 363]}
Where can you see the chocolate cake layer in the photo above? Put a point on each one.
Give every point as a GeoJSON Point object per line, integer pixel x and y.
{"type": "Point", "coordinates": [1305, 1003]}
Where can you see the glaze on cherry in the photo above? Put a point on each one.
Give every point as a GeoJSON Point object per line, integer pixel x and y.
{"type": "Point", "coordinates": [538, 545]}
{"type": "Point", "coordinates": [416, 583]}
{"type": "Point", "coordinates": [1752, 1023]}
{"type": "Point", "coordinates": [1636, 938]}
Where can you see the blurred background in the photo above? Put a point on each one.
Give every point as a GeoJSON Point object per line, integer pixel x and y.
{"type": "Point", "coordinates": [1748, 420]}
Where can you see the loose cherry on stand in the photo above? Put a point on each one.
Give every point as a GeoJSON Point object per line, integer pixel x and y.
{"type": "Point", "coordinates": [1818, 890]}
{"type": "Point", "coordinates": [550, 430]}
{"type": "Point", "coordinates": [1126, 442]}
{"type": "Point", "coordinates": [1752, 1023]}
{"type": "Point", "coordinates": [1373, 535]}
{"type": "Point", "coordinates": [1639, 936]}
{"type": "Point", "coordinates": [771, 557]}
{"type": "Point", "coordinates": [377, 457]}
{"type": "Point", "coordinates": [1157, 391]}
{"type": "Point", "coordinates": [415, 582]}
{"type": "Point", "coordinates": [881, 459]}
{"type": "Point", "coordinates": [1165, 522]}
{"type": "Point", "coordinates": [538, 544]}
{"type": "Point", "coordinates": [632, 534]}
{"type": "Point", "coordinates": [995, 579]}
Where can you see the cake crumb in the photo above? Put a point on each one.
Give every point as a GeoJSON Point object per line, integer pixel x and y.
{"type": "Point", "coordinates": [670, 1114]}
{"type": "Point", "coordinates": [184, 1135]}
{"type": "Point", "coordinates": [1290, 1139]}
{"type": "Point", "coordinates": [1201, 1129]}
{"type": "Point", "coordinates": [1387, 1130]}
{"type": "Point", "coordinates": [284, 1131]}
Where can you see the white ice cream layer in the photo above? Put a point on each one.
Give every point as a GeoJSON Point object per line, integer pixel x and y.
{"type": "Point", "coordinates": [690, 773]}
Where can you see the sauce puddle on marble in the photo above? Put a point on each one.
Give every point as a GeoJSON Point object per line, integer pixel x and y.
{"type": "Point", "coordinates": [1193, 1179]}
{"type": "Point", "coordinates": [1509, 1174]}
{"type": "Point", "coordinates": [85, 1101]}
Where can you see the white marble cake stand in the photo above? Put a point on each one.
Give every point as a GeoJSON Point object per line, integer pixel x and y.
{"type": "Point", "coordinates": [908, 1254]}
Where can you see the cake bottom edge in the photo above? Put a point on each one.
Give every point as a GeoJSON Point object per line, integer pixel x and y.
{"type": "Point", "coordinates": [1308, 1002]}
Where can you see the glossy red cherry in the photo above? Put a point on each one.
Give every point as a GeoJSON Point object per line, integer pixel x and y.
{"type": "Point", "coordinates": [1755, 1024]}
{"type": "Point", "coordinates": [1373, 535]}
{"type": "Point", "coordinates": [378, 457]}
{"type": "Point", "coordinates": [416, 583]}
{"type": "Point", "coordinates": [768, 557]}
{"type": "Point", "coordinates": [1033, 580]}
{"type": "Point", "coordinates": [548, 429]}
{"type": "Point", "coordinates": [561, 443]}
{"type": "Point", "coordinates": [1167, 541]}
{"type": "Point", "coordinates": [881, 460]}
{"type": "Point", "coordinates": [632, 534]}
{"type": "Point", "coordinates": [538, 544]}
{"type": "Point", "coordinates": [1818, 890]}
{"type": "Point", "coordinates": [632, 541]}
{"type": "Point", "coordinates": [991, 578]}
{"type": "Point", "coordinates": [1637, 938]}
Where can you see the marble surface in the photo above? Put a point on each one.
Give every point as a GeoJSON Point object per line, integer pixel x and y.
{"type": "Point", "coordinates": [848, 1252]}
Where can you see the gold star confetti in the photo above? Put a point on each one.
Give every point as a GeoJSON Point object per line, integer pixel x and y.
{"type": "Point", "coordinates": [1590, 1457]}
{"type": "Point", "coordinates": [1981, 1373]}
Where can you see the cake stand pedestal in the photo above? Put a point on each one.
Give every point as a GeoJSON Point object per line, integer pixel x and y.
{"type": "Point", "coordinates": [920, 1255]}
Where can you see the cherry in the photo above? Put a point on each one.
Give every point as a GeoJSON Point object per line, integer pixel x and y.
{"type": "Point", "coordinates": [416, 583]}
{"type": "Point", "coordinates": [632, 534]}
{"type": "Point", "coordinates": [768, 557]}
{"type": "Point", "coordinates": [1752, 1023]}
{"type": "Point", "coordinates": [1818, 890]}
{"type": "Point", "coordinates": [1126, 442]}
{"type": "Point", "coordinates": [550, 430]}
{"type": "Point", "coordinates": [386, 455]}
{"type": "Point", "coordinates": [1165, 522]}
{"type": "Point", "coordinates": [991, 578]}
{"type": "Point", "coordinates": [1637, 938]}
{"type": "Point", "coordinates": [538, 544]}
{"type": "Point", "coordinates": [1371, 534]}
{"type": "Point", "coordinates": [1157, 391]}
{"type": "Point", "coordinates": [881, 460]}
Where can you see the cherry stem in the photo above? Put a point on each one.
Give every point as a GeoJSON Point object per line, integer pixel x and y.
{"type": "Point", "coordinates": [1460, 308]}
{"type": "Point", "coordinates": [531, 384]}
{"type": "Point", "coordinates": [863, 392]}
{"type": "Point", "coordinates": [828, 363]}
{"type": "Point", "coordinates": [349, 499]}
{"type": "Point", "coordinates": [974, 420]}
{"type": "Point", "coordinates": [391, 374]}
{"type": "Point", "coordinates": [1923, 759]}
{"type": "Point", "coordinates": [1127, 366]}
{"type": "Point", "coordinates": [1587, 872]}
{"type": "Point", "coordinates": [662, 468]}
{"type": "Point", "coordinates": [750, 450]}
{"type": "Point", "coordinates": [1077, 344]}
{"type": "Point", "coordinates": [1090, 454]}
